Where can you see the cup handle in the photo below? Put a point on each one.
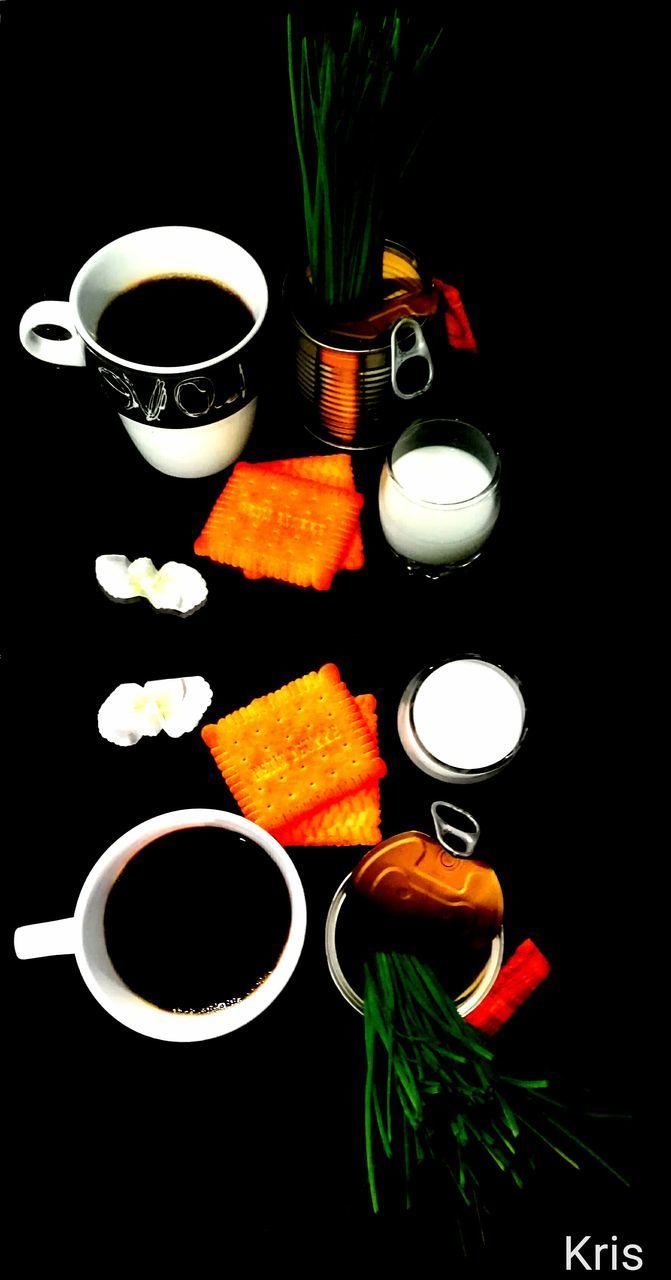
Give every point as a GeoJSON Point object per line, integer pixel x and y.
{"type": "Point", "coordinates": [53, 938]}
{"type": "Point", "coordinates": [54, 350]}
{"type": "Point", "coordinates": [399, 356]}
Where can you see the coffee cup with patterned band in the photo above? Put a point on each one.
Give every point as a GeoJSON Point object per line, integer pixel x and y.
{"type": "Point", "coordinates": [167, 320]}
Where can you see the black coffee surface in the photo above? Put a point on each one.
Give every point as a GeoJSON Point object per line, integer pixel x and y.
{"type": "Point", "coordinates": [197, 919]}
{"type": "Point", "coordinates": [173, 320]}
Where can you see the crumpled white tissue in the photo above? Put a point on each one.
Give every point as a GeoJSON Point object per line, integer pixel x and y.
{"type": "Point", "coordinates": [174, 586]}
{"type": "Point", "coordinates": [135, 711]}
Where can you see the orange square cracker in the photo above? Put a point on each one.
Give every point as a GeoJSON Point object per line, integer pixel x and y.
{"type": "Point", "coordinates": [352, 820]}
{"type": "Point", "coordinates": [334, 469]}
{"type": "Point", "coordinates": [295, 750]}
{"type": "Point", "coordinates": [280, 526]}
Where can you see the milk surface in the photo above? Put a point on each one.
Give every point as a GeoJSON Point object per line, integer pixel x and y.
{"type": "Point", "coordinates": [441, 473]}
{"type": "Point", "coordinates": [468, 714]}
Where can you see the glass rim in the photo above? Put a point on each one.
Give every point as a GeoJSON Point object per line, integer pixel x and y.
{"type": "Point", "coordinates": [446, 506]}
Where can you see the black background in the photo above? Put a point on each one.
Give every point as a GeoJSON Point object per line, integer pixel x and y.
{"type": "Point", "coordinates": [113, 124]}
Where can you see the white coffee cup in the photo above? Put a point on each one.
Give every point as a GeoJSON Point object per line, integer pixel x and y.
{"type": "Point", "coordinates": [186, 420]}
{"type": "Point", "coordinates": [83, 935]}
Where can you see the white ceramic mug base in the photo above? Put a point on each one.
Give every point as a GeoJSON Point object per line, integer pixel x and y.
{"type": "Point", "coordinates": [83, 935]}
{"type": "Point", "coordinates": [193, 451]}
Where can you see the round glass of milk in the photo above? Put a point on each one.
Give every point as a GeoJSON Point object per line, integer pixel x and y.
{"type": "Point", "coordinates": [439, 495]}
{"type": "Point", "coordinates": [462, 721]}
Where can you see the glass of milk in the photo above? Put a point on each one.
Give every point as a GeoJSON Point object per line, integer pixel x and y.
{"type": "Point", "coordinates": [463, 720]}
{"type": "Point", "coordinates": [439, 495]}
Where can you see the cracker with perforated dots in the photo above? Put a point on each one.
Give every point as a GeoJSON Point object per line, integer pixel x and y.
{"type": "Point", "coordinates": [296, 749]}
{"type": "Point", "coordinates": [352, 820]}
{"type": "Point", "coordinates": [281, 526]}
{"type": "Point", "coordinates": [334, 469]}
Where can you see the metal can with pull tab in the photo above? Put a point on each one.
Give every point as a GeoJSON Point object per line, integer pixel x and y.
{"type": "Point", "coordinates": [355, 386]}
{"type": "Point", "coordinates": [433, 879]}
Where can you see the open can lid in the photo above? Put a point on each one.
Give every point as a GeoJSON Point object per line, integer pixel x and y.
{"type": "Point", "coordinates": [466, 1002]}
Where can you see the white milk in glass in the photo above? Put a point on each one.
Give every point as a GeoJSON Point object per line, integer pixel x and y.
{"type": "Point", "coordinates": [433, 508]}
{"type": "Point", "coordinates": [468, 714]}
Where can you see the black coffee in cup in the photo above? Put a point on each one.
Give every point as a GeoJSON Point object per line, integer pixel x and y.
{"type": "Point", "coordinates": [174, 320]}
{"type": "Point", "coordinates": [197, 919]}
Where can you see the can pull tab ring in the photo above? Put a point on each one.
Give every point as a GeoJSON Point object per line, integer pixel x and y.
{"type": "Point", "coordinates": [407, 343]}
{"type": "Point", "coordinates": [465, 836]}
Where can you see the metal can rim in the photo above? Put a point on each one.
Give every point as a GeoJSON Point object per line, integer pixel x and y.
{"type": "Point", "coordinates": [465, 1003]}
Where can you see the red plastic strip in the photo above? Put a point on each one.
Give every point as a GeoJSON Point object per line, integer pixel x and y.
{"type": "Point", "coordinates": [520, 975]}
{"type": "Point", "coordinates": [459, 332]}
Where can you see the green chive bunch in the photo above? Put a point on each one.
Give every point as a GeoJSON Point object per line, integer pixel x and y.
{"type": "Point", "coordinates": [358, 99]}
{"type": "Point", "coordinates": [434, 1094]}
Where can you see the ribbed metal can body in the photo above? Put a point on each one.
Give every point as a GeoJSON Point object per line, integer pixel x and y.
{"type": "Point", "coordinates": [346, 382]}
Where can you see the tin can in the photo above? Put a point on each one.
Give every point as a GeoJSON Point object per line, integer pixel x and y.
{"type": "Point", "coordinates": [442, 881]}
{"type": "Point", "coordinates": [356, 388]}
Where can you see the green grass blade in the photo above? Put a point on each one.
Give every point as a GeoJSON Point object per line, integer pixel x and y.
{"type": "Point", "coordinates": [548, 1142]}
{"type": "Point", "coordinates": [381, 1125]}
{"type": "Point", "coordinates": [508, 1116]}
{"type": "Point", "coordinates": [589, 1150]}
{"type": "Point", "coordinates": [298, 131]}
{"type": "Point", "coordinates": [369, 1035]}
